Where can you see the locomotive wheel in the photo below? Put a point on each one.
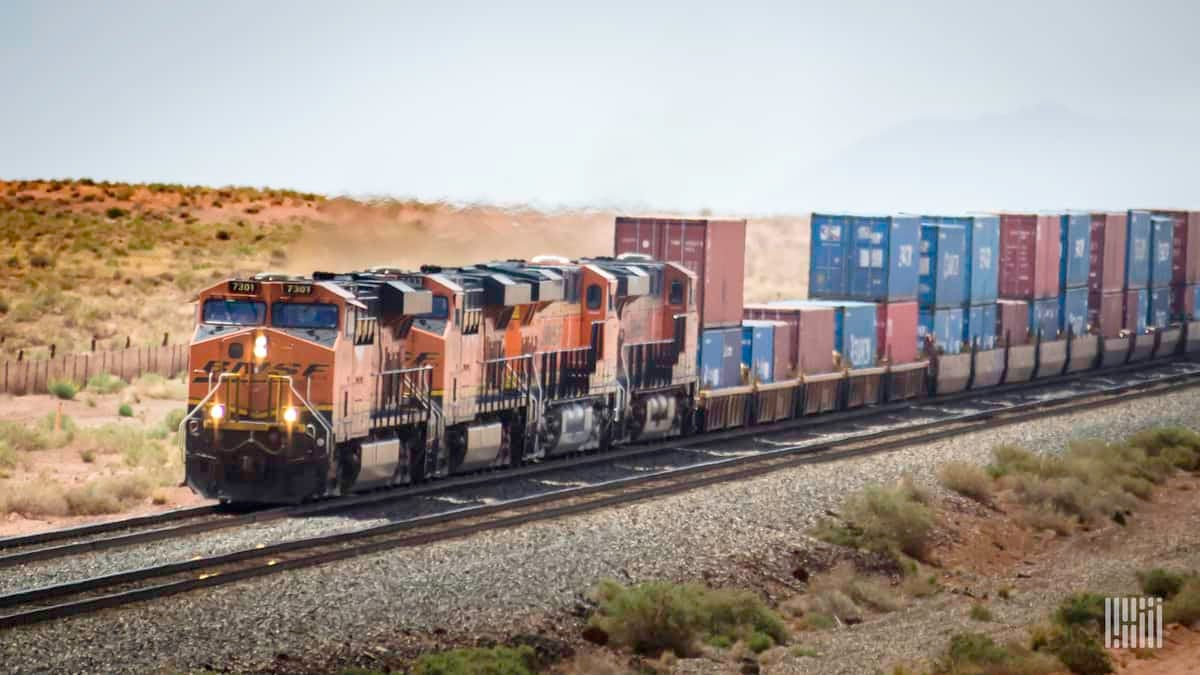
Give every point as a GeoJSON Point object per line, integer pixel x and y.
{"type": "Point", "coordinates": [349, 464]}
{"type": "Point", "coordinates": [416, 461]}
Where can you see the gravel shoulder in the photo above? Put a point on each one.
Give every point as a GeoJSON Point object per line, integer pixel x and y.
{"type": "Point", "coordinates": [527, 579]}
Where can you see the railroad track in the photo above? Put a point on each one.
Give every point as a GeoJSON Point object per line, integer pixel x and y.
{"type": "Point", "coordinates": [16, 551]}
{"type": "Point", "coordinates": [114, 590]}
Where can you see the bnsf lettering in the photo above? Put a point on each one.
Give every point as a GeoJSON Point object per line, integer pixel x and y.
{"type": "Point", "coordinates": [267, 368]}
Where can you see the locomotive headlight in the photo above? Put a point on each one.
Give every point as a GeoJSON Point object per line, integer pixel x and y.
{"type": "Point", "coordinates": [290, 415]}
{"type": "Point", "coordinates": [260, 347]}
{"type": "Point", "coordinates": [217, 411]}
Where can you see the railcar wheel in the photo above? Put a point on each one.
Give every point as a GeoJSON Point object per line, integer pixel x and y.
{"type": "Point", "coordinates": [349, 464]}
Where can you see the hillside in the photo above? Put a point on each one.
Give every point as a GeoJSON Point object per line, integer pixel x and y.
{"type": "Point", "coordinates": [88, 259]}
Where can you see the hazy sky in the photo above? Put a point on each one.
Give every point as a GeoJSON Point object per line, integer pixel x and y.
{"type": "Point", "coordinates": [750, 107]}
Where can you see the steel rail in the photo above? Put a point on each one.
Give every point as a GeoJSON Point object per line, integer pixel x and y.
{"type": "Point", "coordinates": [227, 568]}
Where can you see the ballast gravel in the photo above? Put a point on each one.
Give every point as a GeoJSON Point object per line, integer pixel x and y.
{"type": "Point", "coordinates": [498, 581]}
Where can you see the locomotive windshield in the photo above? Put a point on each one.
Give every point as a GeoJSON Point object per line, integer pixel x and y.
{"type": "Point", "coordinates": [304, 315]}
{"type": "Point", "coordinates": [234, 312]}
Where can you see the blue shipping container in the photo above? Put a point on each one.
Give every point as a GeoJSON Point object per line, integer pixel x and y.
{"type": "Point", "coordinates": [1076, 239]}
{"type": "Point", "coordinates": [1159, 314]}
{"type": "Point", "coordinates": [1137, 250]}
{"type": "Point", "coordinates": [828, 247]}
{"type": "Point", "coordinates": [942, 279]}
{"type": "Point", "coordinates": [1141, 312]}
{"type": "Point", "coordinates": [883, 258]}
{"type": "Point", "coordinates": [1073, 311]}
{"type": "Point", "coordinates": [983, 245]}
{"type": "Point", "coordinates": [1191, 303]}
{"type": "Point", "coordinates": [979, 325]}
{"type": "Point", "coordinates": [854, 329]}
{"type": "Point", "coordinates": [945, 324]}
{"type": "Point", "coordinates": [758, 350]}
{"type": "Point", "coordinates": [1043, 318]}
{"type": "Point", "coordinates": [1162, 243]}
{"type": "Point", "coordinates": [720, 358]}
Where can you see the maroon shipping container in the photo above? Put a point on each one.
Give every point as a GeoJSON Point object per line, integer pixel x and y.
{"type": "Point", "coordinates": [896, 328]}
{"type": "Point", "coordinates": [1185, 247]}
{"type": "Point", "coordinates": [1029, 255]}
{"type": "Point", "coordinates": [1012, 321]}
{"type": "Point", "coordinates": [810, 338]}
{"type": "Point", "coordinates": [785, 363]}
{"type": "Point", "coordinates": [1106, 313]}
{"type": "Point", "coordinates": [1107, 271]}
{"type": "Point", "coordinates": [714, 249]}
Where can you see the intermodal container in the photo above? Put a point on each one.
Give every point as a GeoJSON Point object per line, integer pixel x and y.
{"type": "Point", "coordinates": [1137, 250]}
{"type": "Point", "coordinates": [1029, 256]}
{"type": "Point", "coordinates": [1189, 305]}
{"type": "Point", "coordinates": [811, 335]}
{"type": "Point", "coordinates": [945, 324]}
{"type": "Point", "coordinates": [1012, 322]}
{"type": "Point", "coordinates": [714, 249]}
{"type": "Point", "coordinates": [1076, 243]}
{"type": "Point", "coordinates": [1137, 308]}
{"type": "Point", "coordinates": [895, 325]}
{"type": "Point", "coordinates": [758, 350]}
{"type": "Point", "coordinates": [1106, 312]}
{"type": "Point", "coordinates": [721, 357]}
{"type": "Point", "coordinates": [980, 267]}
{"type": "Point", "coordinates": [1162, 243]}
{"type": "Point", "coordinates": [1073, 312]}
{"type": "Point", "coordinates": [883, 258]}
{"type": "Point", "coordinates": [1044, 317]}
{"type": "Point", "coordinates": [829, 247]}
{"type": "Point", "coordinates": [979, 325]}
{"type": "Point", "coordinates": [784, 366]}
{"type": "Point", "coordinates": [1159, 313]}
{"type": "Point", "coordinates": [943, 252]}
{"type": "Point", "coordinates": [1107, 252]}
{"type": "Point", "coordinates": [854, 334]}
{"type": "Point", "coordinates": [1185, 250]}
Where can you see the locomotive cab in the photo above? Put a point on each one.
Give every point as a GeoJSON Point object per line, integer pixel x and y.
{"type": "Point", "coordinates": [259, 426]}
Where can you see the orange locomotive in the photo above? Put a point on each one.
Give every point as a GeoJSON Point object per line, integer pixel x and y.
{"type": "Point", "coordinates": [303, 388]}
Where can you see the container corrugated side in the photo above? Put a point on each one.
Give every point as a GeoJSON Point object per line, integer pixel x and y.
{"type": "Point", "coordinates": [1106, 313]}
{"type": "Point", "coordinates": [1012, 318]}
{"type": "Point", "coordinates": [883, 258]}
{"type": "Point", "coordinates": [1137, 250]}
{"type": "Point", "coordinates": [1029, 255]}
{"type": "Point", "coordinates": [1044, 317]}
{"type": "Point", "coordinates": [1190, 305]}
{"type": "Point", "coordinates": [981, 267]}
{"type": "Point", "coordinates": [942, 277]}
{"type": "Point", "coordinates": [1162, 244]}
{"type": "Point", "coordinates": [854, 330]}
{"type": "Point", "coordinates": [979, 325]}
{"type": "Point", "coordinates": [813, 330]}
{"type": "Point", "coordinates": [829, 248]}
{"type": "Point", "coordinates": [945, 324]}
{"type": "Point", "coordinates": [1137, 308]}
{"type": "Point", "coordinates": [758, 350]}
{"type": "Point", "coordinates": [896, 324]}
{"type": "Point", "coordinates": [1107, 270]}
{"type": "Point", "coordinates": [1185, 250]}
{"type": "Point", "coordinates": [1075, 230]}
{"type": "Point", "coordinates": [1073, 311]}
{"type": "Point", "coordinates": [1158, 315]}
{"type": "Point", "coordinates": [720, 357]}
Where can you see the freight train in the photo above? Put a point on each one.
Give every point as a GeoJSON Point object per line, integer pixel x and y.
{"type": "Point", "coordinates": [309, 387]}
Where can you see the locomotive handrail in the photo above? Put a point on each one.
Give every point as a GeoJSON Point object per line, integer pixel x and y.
{"type": "Point", "coordinates": [313, 411]}
{"type": "Point", "coordinates": [199, 406]}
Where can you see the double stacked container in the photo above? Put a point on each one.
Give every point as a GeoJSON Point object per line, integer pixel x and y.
{"type": "Point", "coordinates": [715, 249]}
{"type": "Point", "coordinates": [765, 347]}
{"type": "Point", "coordinates": [866, 258]}
{"type": "Point", "coordinates": [810, 337]}
{"type": "Point", "coordinates": [1075, 231]}
{"type": "Point", "coordinates": [1030, 255]}
{"type": "Point", "coordinates": [1106, 275]}
{"type": "Point", "coordinates": [1185, 263]}
{"type": "Point", "coordinates": [1012, 322]}
{"type": "Point", "coordinates": [1162, 246]}
{"type": "Point", "coordinates": [895, 324]}
{"type": "Point", "coordinates": [980, 275]}
{"type": "Point", "coordinates": [855, 338]}
{"type": "Point", "coordinates": [1138, 257]}
{"type": "Point", "coordinates": [945, 326]}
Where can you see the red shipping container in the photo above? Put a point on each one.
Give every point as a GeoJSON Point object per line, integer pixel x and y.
{"type": "Point", "coordinates": [1106, 313]}
{"type": "Point", "coordinates": [1185, 247]}
{"type": "Point", "coordinates": [896, 328]}
{"type": "Point", "coordinates": [785, 364]}
{"type": "Point", "coordinates": [1029, 255]}
{"type": "Point", "coordinates": [811, 336]}
{"type": "Point", "coordinates": [1012, 322]}
{"type": "Point", "coordinates": [1107, 271]}
{"type": "Point", "coordinates": [714, 249]}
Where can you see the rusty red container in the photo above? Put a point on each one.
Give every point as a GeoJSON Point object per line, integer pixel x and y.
{"type": "Point", "coordinates": [1029, 255]}
{"type": "Point", "coordinates": [810, 338]}
{"type": "Point", "coordinates": [896, 327]}
{"type": "Point", "coordinates": [1107, 272]}
{"type": "Point", "coordinates": [1106, 312]}
{"type": "Point", "coordinates": [714, 249]}
{"type": "Point", "coordinates": [1012, 319]}
{"type": "Point", "coordinates": [1185, 246]}
{"type": "Point", "coordinates": [785, 362]}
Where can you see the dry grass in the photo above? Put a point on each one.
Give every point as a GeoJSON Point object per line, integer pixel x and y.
{"type": "Point", "coordinates": [966, 479]}
{"type": "Point", "coordinates": [47, 497]}
{"type": "Point", "coordinates": [152, 385]}
{"type": "Point", "coordinates": [889, 519]}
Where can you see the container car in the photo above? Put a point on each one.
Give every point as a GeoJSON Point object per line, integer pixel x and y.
{"type": "Point", "coordinates": [855, 337]}
{"type": "Point", "coordinates": [979, 326]}
{"type": "Point", "coordinates": [1185, 250]}
{"type": "Point", "coordinates": [867, 258]}
{"type": "Point", "coordinates": [944, 325]}
{"type": "Point", "coordinates": [721, 357]}
{"type": "Point", "coordinates": [758, 350]}
{"type": "Point", "coordinates": [983, 246]}
{"type": "Point", "coordinates": [812, 330]}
